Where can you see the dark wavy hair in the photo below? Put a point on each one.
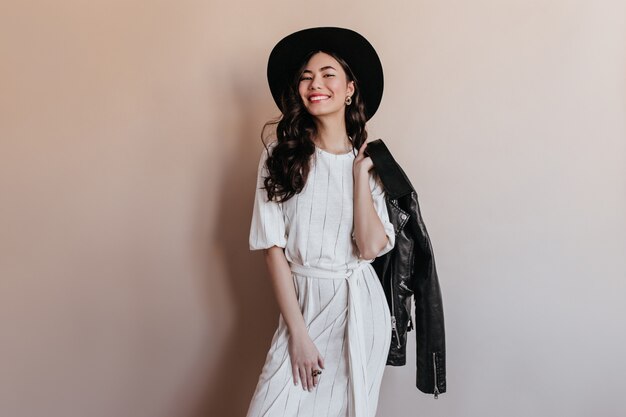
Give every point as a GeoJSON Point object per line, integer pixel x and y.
{"type": "Point", "coordinates": [288, 164]}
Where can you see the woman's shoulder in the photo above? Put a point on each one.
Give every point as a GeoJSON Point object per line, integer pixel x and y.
{"type": "Point", "coordinates": [266, 150]}
{"type": "Point", "coordinates": [269, 147]}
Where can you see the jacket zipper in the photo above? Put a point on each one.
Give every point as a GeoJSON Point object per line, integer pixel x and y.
{"type": "Point", "coordinates": [436, 390]}
{"type": "Point", "coordinates": [393, 317]}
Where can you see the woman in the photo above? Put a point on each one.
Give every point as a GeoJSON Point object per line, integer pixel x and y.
{"type": "Point", "coordinates": [320, 217]}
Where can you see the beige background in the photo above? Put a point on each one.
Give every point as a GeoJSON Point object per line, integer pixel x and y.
{"type": "Point", "coordinates": [130, 135]}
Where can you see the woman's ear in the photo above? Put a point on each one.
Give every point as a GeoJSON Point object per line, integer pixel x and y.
{"type": "Point", "coordinates": [350, 89]}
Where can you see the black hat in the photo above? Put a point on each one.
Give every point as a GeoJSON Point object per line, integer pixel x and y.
{"type": "Point", "coordinates": [289, 54]}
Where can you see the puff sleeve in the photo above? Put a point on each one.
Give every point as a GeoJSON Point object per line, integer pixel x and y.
{"type": "Point", "coordinates": [378, 196]}
{"type": "Point", "coordinates": [267, 227]}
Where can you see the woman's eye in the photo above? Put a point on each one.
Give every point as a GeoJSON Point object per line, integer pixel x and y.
{"type": "Point", "coordinates": [308, 78]}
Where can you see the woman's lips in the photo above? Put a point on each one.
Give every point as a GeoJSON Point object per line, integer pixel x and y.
{"type": "Point", "coordinates": [316, 99]}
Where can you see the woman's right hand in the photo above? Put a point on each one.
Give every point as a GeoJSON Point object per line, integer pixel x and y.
{"type": "Point", "coordinates": [304, 359]}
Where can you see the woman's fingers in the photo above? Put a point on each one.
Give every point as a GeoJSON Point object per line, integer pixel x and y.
{"type": "Point", "coordinates": [302, 369]}
{"type": "Point", "coordinates": [310, 378]}
{"type": "Point", "coordinates": [316, 380]}
{"type": "Point", "coordinates": [362, 162]}
{"type": "Point", "coordinates": [306, 375]}
{"type": "Point", "coordinates": [303, 377]}
{"type": "Point", "coordinates": [320, 362]}
{"type": "Point", "coordinates": [294, 371]}
{"type": "Point", "coordinates": [361, 150]}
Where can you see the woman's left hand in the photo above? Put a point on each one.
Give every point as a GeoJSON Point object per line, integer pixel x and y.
{"type": "Point", "coordinates": [362, 164]}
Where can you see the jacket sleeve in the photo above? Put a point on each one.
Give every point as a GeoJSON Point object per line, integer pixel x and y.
{"type": "Point", "coordinates": [429, 318]}
{"type": "Point", "coordinates": [267, 227]}
{"type": "Point", "coordinates": [378, 197]}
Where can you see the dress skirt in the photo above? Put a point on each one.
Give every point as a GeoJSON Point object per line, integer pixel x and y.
{"type": "Point", "coordinates": [348, 319]}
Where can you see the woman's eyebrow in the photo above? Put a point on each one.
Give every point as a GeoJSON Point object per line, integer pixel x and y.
{"type": "Point", "coordinates": [321, 69]}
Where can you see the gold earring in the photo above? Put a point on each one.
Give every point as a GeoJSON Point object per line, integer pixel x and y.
{"type": "Point", "coordinates": [348, 100]}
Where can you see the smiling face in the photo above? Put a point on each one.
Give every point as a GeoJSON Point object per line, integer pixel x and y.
{"type": "Point", "coordinates": [324, 86]}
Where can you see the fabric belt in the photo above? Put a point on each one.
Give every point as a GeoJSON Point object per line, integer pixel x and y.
{"type": "Point", "coordinates": [356, 344]}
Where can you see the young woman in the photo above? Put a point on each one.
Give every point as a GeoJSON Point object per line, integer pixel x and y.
{"type": "Point", "coordinates": [320, 217]}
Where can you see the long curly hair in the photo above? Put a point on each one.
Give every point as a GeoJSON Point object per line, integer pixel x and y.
{"type": "Point", "coordinates": [288, 163]}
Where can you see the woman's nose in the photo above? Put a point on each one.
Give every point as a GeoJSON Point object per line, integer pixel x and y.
{"type": "Point", "coordinates": [315, 82]}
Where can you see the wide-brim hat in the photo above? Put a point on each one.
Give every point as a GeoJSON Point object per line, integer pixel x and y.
{"type": "Point", "coordinates": [289, 54]}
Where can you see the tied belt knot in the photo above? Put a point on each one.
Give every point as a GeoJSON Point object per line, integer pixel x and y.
{"type": "Point", "coordinates": [359, 380]}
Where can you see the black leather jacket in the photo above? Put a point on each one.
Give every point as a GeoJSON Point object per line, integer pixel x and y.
{"type": "Point", "coordinates": [408, 272]}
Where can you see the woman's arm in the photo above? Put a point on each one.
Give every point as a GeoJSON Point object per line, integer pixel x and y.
{"type": "Point", "coordinates": [303, 353]}
{"type": "Point", "coordinates": [284, 289]}
{"type": "Point", "coordinates": [369, 232]}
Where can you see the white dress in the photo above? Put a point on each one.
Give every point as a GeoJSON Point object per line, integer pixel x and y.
{"type": "Point", "coordinates": [340, 296]}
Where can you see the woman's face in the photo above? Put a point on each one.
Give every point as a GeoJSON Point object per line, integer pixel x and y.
{"type": "Point", "coordinates": [324, 86]}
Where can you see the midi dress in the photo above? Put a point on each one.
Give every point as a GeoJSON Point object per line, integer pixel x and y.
{"type": "Point", "coordinates": [340, 296]}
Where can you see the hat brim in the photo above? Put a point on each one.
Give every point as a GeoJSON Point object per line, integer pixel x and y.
{"type": "Point", "coordinates": [289, 53]}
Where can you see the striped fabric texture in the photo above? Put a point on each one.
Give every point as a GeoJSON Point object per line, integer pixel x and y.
{"type": "Point", "coordinates": [340, 296]}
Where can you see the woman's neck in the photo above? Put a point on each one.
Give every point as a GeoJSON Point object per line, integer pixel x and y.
{"type": "Point", "coordinates": [333, 139]}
